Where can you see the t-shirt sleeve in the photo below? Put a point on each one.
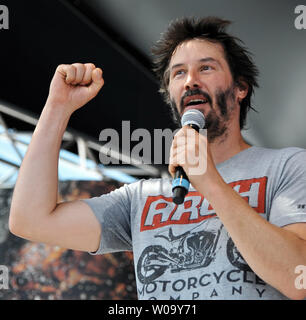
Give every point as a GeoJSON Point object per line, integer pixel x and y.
{"type": "Point", "coordinates": [289, 202]}
{"type": "Point", "coordinates": [113, 212]}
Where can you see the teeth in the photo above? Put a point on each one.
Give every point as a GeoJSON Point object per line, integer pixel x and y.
{"type": "Point", "coordinates": [197, 101]}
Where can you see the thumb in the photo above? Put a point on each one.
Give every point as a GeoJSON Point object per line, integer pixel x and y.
{"type": "Point", "coordinates": [97, 82]}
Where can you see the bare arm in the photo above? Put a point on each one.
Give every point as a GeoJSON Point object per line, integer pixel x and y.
{"type": "Point", "coordinates": [35, 214]}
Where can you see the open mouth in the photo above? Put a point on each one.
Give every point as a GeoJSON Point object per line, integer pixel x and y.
{"type": "Point", "coordinates": [195, 101]}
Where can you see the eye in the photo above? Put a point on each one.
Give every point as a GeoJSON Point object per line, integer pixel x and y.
{"type": "Point", "coordinates": [179, 72]}
{"type": "Point", "coordinates": [206, 68]}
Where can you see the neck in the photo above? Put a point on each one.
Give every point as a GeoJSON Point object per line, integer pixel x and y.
{"type": "Point", "coordinates": [228, 145]}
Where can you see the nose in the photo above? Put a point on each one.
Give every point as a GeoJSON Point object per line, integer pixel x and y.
{"type": "Point", "coordinates": [192, 81]}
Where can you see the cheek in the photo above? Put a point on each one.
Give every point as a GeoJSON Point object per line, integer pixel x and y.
{"type": "Point", "coordinates": [174, 93]}
{"type": "Point", "coordinates": [218, 79]}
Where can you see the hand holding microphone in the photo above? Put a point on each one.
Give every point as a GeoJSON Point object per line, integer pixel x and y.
{"type": "Point", "coordinates": [180, 185]}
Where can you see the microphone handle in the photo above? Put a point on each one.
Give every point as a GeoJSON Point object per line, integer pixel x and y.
{"type": "Point", "coordinates": [180, 185]}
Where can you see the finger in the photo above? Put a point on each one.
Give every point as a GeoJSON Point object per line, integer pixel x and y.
{"type": "Point", "coordinates": [89, 67]}
{"type": "Point", "coordinates": [97, 82]}
{"type": "Point", "coordinates": [177, 159]}
{"type": "Point", "coordinates": [174, 152]}
{"type": "Point", "coordinates": [173, 164]}
{"type": "Point", "coordinates": [177, 148]}
{"type": "Point", "coordinates": [67, 72]}
{"type": "Point", "coordinates": [172, 167]}
{"type": "Point", "coordinates": [192, 141]}
{"type": "Point", "coordinates": [176, 139]}
{"type": "Point", "coordinates": [171, 170]}
{"type": "Point", "coordinates": [80, 70]}
{"type": "Point", "coordinates": [179, 141]}
{"type": "Point", "coordinates": [179, 133]}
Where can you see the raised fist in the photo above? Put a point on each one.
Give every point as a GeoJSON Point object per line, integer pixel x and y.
{"type": "Point", "coordinates": [74, 85]}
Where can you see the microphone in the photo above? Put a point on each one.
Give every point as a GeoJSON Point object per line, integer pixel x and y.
{"type": "Point", "coordinates": [180, 184]}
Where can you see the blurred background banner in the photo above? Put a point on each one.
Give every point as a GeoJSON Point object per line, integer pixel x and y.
{"type": "Point", "coordinates": [39, 271]}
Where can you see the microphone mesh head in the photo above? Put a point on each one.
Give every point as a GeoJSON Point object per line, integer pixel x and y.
{"type": "Point", "coordinates": [193, 116]}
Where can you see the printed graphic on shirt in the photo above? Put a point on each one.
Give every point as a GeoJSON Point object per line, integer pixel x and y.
{"type": "Point", "coordinates": [196, 248]}
{"type": "Point", "coordinates": [187, 251]}
{"type": "Point", "coordinates": [160, 211]}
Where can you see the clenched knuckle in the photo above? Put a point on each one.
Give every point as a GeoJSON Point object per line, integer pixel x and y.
{"type": "Point", "coordinates": [90, 66]}
{"type": "Point", "coordinates": [71, 68]}
{"type": "Point", "coordinates": [78, 66]}
{"type": "Point", "coordinates": [60, 67]}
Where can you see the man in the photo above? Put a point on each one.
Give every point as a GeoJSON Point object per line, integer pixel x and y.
{"type": "Point", "coordinates": [241, 231]}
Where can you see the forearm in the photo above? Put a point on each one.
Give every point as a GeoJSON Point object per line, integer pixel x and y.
{"type": "Point", "coordinates": [271, 252]}
{"type": "Point", "coordinates": [35, 193]}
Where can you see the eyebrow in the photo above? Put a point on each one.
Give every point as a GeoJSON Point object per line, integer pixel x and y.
{"type": "Point", "coordinates": [208, 59]}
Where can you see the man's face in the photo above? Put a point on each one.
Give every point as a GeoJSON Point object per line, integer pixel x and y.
{"type": "Point", "coordinates": [200, 78]}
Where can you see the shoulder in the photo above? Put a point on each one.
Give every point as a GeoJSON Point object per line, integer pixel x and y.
{"type": "Point", "coordinates": [151, 186]}
{"type": "Point", "coordinates": [290, 152]}
{"type": "Point", "coordinates": [287, 163]}
{"type": "Point", "coordinates": [292, 157]}
{"type": "Point", "coordinates": [287, 151]}
{"type": "Point", "coordinates": [294, 162]}
{"type": "Point", "coordinates": [279, 155]}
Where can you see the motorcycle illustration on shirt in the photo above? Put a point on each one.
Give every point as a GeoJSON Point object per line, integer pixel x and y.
{"type": "Point", "coordinates": [189, 250]}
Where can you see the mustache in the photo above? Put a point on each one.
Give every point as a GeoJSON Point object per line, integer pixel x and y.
{"type": "Point", "coordinates": [193, 93]}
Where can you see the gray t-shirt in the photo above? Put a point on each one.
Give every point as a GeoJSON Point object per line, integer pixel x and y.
{"type": "Point", "coordinates": [185, 252]}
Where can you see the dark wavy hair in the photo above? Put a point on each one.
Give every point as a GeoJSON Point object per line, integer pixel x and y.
{"type": "Point", "coordinates": [212, 29]}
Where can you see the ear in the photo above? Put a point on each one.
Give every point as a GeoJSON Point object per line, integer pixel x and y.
{"type": "Point", "coordinates": [242, 90]}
